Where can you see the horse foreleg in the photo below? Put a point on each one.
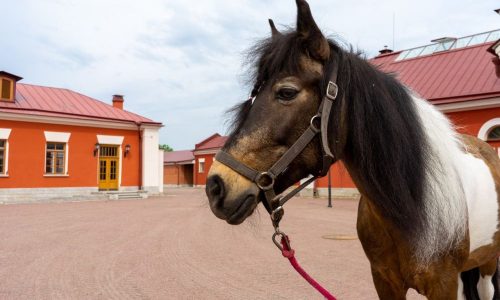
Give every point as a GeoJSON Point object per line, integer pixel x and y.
{"type": "Point", "coordinates": [389, 287]}
{"type": "Point", "coordinates": [485, 287]}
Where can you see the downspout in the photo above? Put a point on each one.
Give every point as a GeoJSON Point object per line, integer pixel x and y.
{"type": "Point", "coordinates": [140, 153]}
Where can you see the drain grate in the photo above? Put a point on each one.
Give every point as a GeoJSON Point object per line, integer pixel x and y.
{"type": "Point", "coordinates": [340, 237]}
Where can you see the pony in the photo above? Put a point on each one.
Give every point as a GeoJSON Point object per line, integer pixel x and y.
{"type": "Point", "coordinates": [429, 209]}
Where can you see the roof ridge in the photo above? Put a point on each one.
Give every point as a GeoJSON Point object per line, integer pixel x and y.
{"type": "Point", "coordinates": [81, 105]}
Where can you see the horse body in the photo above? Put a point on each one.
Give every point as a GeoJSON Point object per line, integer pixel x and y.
{"type": "Point", "coordinates": [429, 210]}
{"type": "Point", "coordinates": [470, 224]}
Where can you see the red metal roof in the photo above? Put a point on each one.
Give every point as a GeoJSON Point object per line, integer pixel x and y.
{"type": "Point", "coordinates": [49, 101]}
{"type": "Point", "coordinates": [215, 141]}
{"type": "Point", "coordinates": [449, 76]}
{"type": "Point", "coordinates": [178, 156]}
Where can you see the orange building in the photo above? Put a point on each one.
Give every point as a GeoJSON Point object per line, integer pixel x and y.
{"type": "Point", "coordinates": [56, 143]}
{"type": "Point", "coordinates": [204, 153]}
{"type": "Point", "coordinates": [460, 76]}
{"type": "Point", "coordinates": [178, 168]}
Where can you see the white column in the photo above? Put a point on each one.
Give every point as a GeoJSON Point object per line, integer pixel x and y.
{"type": "Point", "coordinates": [150, 159]}
{"type": "Point", "coordinates": [160, 170]}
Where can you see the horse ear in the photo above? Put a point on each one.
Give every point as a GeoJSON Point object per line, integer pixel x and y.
{"type": "Point", "coordinates": [317, 45]}
{"type": "Point", "coordinates": [275, 33]}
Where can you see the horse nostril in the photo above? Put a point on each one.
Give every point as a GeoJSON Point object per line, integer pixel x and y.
{"type": "Point", "coordinates": [215, 189]}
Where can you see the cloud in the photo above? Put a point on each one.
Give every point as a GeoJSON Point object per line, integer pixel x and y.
{"type": "Point", "coordinates": [180, 62]}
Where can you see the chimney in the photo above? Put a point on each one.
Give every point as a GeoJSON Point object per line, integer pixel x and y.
{"type": "Point", "coordinates": [118, 101]}
{"type": "Point", "coordinates": [386, 50]}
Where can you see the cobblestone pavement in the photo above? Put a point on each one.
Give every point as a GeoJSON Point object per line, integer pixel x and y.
{"type": "Point", "coordinates": [173, 247]}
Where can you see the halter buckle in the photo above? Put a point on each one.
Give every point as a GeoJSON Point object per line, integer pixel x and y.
{"type": "Point", "coordinates": [332, 90]}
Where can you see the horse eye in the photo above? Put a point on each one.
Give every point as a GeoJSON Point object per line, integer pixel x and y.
{"type": "Point", "coordinates": [287, 94]}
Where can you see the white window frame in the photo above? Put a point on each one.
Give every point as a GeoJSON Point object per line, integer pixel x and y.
{"type": "Point", "coordinates": [4, 135]}
{"type": "Point", "coordinates": [57, 137]}
{"type": "Point", "coordinates": [201, 165]}
{"type": "Point", "coordinates": [487, 127]}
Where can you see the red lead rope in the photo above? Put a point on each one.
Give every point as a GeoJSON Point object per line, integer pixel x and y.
{"type": "Point", "coordinates": [289, 253]}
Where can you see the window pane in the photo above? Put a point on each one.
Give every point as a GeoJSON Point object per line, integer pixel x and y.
{"type": "Point", "coordinates": [414, 53]}
{"type": "Point", "coordinates": [494, 134]}
{"type": "Point", "coordinates": [59, 162]}
{"type": "Point", "coordinates": [478, 39]}
{"type": "Point", "coordinates": [463, 42]}
{"type": "Point", "coordinates": [1, 161]}
{"type": "Point", "coordinates": [102, 170]}
{"type": "Point", "coordinates": [49, 161]}
{"type": "Point", "coordinates": [494, 36]}
{"type": "Point", "coordinates": [6, 86]}
{"type": "Point", "coordinates": [51, 146]}
{"type": "Point", "coordinates": [402, 55]}
{"type": "Point", "coordinates": [429, 49]}
{"type": "Point", "coordinates": [59, 146]}
{"type": "Point", "coordinates": [2, 144]}
{"type": "Point", "coordinates": [444, 46]}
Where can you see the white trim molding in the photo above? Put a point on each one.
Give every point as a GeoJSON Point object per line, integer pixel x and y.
{"type": "Point", "coordinates": [205, 152]}
{"type": "Point", "coordinates": [469, 105]}
{"type": "Point", "coordinates": [109, 139]}
{"type": "Point", "coordinates": [5, 133]}
{"type": "Point", "coordinates": [59, 137]}
{"type": "Point", "coordinates": [73, 121]}
{"type": "Point", "coordinates": [487, 127]}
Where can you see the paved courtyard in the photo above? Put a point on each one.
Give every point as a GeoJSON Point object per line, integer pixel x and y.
{"type": "Point", "coordinates": [172, 247]}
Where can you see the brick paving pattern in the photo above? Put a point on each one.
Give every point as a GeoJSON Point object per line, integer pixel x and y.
{"type": "Point", "coordinates": [173, 247]}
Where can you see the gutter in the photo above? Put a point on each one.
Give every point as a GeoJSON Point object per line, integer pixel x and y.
{"type": "Point", "coordinates": [139, 124]}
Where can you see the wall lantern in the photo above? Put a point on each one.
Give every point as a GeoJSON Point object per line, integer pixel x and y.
{"type": "Point", "coordinates": [127, 150]}
{"type": "Point", "coordinates": [96, 148]}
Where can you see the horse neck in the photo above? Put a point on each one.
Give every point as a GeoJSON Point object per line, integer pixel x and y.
{"type": "Point", "coordinates": [397, 150]}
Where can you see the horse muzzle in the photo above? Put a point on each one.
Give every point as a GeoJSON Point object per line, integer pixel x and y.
{"type": "Point", "coordinates": [231, 197]}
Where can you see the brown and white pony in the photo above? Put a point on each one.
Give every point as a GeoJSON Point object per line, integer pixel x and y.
{"type": "Point", "coordinates": [429, 210]}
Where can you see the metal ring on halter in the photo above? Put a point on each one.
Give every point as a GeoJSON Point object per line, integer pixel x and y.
{"type": "Point", "coordinates": [315, 127]}
{"type": "Point", "coordinates": [262, 176]}
{"type": "Point", "coordinates": [280, 233]}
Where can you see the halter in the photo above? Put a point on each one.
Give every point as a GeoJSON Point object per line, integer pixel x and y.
{"type": "Point", "coordinates": [265, 180]}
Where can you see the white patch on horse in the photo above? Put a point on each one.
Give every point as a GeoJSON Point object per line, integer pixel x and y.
{"type": "Point", "coordinates": [460, 292]}
{"type": "Point", "coordinates": [444, 202]}
{"type": "Point", "coordinates": [485, 288]}
{"type": "Point", "coordinates": [482, 201]}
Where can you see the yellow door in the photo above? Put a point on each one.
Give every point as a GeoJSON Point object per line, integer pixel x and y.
{"type": "Point", "coordinates": [108, 167]}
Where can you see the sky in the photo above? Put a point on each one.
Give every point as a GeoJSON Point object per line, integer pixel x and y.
{"type": "Point", "coordinates": [180, 62]}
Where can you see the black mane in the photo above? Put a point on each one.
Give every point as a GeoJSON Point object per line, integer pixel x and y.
{"type": "Point", "coordinates": [385, 145]}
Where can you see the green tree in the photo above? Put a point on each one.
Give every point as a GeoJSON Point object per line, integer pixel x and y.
{"type": "Point", "coordinates": [166, 148]}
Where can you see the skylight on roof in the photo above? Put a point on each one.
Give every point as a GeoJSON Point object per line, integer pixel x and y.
{"type": "Point", "coordinates": [446, 44]}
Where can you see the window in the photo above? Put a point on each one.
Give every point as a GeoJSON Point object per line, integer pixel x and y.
{"type": "Point", "coordinates": [494, 35]}
{"type": "Point", "coordinates": [201, 165]}
{"type": "Point", "coordinates": [494, 134]}
{"type": "Point", "coordinates": [3, 145]}
{"type": "Point", "coordinates": [55, 158]}
{"type": "Point", "coordinates": [6, 89]}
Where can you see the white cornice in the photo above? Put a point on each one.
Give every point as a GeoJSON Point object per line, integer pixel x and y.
{"type": "Point", "coordinates": [70, 121]}
{"type": "Point", "coordinates": [469, 105]}
{"type": "Point", "coordinates": [204, 152]}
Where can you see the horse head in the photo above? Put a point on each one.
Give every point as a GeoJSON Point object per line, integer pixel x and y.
{"type": "Point", "coordinates": [289, 79]}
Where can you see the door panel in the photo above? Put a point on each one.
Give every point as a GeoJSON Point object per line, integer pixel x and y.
{"type": "Point", "coordinates": [108, 168]}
